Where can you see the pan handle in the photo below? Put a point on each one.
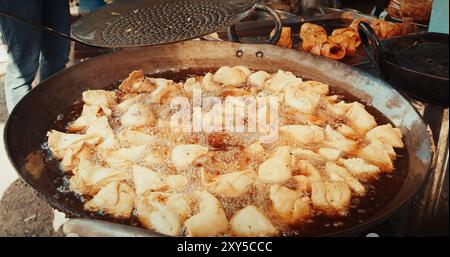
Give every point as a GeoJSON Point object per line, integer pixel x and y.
{"type": "Point", "coordinates": [98, 228]}
{"type": "Point", "coordinates": [42, 27]}
{"type": "Point", "coordinates": [232, 35]}
{"type": "Point", "coordinates": [374, 49]}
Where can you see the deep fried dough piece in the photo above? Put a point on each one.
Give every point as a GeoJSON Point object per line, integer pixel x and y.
{"type": "Point", "coordinates": [313, 36]}
{"type": "Point", "coordinates": [232, 184]}
{"type": "Point", "coordinates": [137, 83]}
{"type": "Point", "coordinates": [117, 199]}
{"type": "Point", "coordinates": [146, 180]}
{"type": "Point", "coordinates": [276, 170]}
{"type": "Point", "coordinates": [59, 142]}
{"type": "Point", "coordinates": [333, 51]}
{"type": "Point", "coordinates": [105, 99]}
{"type": "Point", "coordinates": [280, 80]}
{"type": "Point", "coordinates": [304, 134]}
{"type": "Point", "coordinates": [250, 222]}
{"type": "Point", "coordinates": [360, 168]}
{"type": "Point", "coordinates": [211, 219]}
{"type": "Point", "coordinates": [102, 129]}
{"type": "Point", "coordinates": [338, 173]}
{"type": "Point", "coordinates": [182, 156]}
{"type": "Point", "coordinates": [289, 204]}
{"type": "Point", "coordinates": [387, 135]}
{"type": "Point", "coordinates": [138, 115]}
{"type": "Point", "coordinates": [385, 29]}
{"type": "Point", "coordinates": [286, 37]}
{"type": "Point", "coordinates": [379, 154]}
{"type": "Point", "coordinates": [303, 101]}
{"type": "Point", "coordinates": [348, 38]}
{"type": "Point", "coordinates": [315, 41]}
{"type": "Point", "coordinates": [360, 119]}
{"type": "Point", "coordinates": [312, 29]}
{"type": "Point", "coordinates": [336, 140]}
{"type": "Point", "coordinates": [232, 76]}
{"type": "Point", "coordinates": [89, 115]}
{"type": "Point", "coordinates": [91, 177]}
{"type": "Point", "coordinates": [163, 212]}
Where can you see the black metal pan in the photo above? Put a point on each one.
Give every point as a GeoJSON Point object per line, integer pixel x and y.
{"type": "Point", "coordinates": [26, 128]}
{"type": "Point", "coordinates": [416, 64]}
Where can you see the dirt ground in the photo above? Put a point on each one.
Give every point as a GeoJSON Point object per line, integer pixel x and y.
{"type": "Point", "coordinates": [22, 213]}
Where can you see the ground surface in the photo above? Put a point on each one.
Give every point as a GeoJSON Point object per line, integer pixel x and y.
{"type": "Point", "coordinates": [22, 213]}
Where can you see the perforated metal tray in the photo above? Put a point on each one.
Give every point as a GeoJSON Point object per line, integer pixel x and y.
{"type": "Point", "coordinates": [132, 23]}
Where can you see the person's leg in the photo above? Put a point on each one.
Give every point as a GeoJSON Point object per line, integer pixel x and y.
{"type": "Point", "coordinates": [54, 49]}
{"type": "Point", "coordinates": [23, 43]}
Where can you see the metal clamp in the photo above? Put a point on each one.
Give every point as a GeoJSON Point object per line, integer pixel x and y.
{"type": "Point", "coordinates": [232, 35]}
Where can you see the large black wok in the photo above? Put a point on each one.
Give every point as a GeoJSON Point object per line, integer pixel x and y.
{"type": "Point", "coordinates": [416, 64]}
{"type": "Point", "coordinates": [26, 128]}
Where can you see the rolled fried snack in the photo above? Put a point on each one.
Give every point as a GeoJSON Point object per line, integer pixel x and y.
{"type": "Point", "coordinates": [315, 41]}
{"type": "Point", "coordinates": [348, 38]}
{"type": "Point", "coordinates": [286, 37]}
{"type": "Point", "coordinates": [333, 51]}
{"type": "Point", "coordinates": [316, 49]}
{"type": "Point", "coordinates": [311, 29]}
{"type": "Point", "coordinates": [310, 44]}
{"type": "Point", "coordinates": [313, 37]}
{"type": "Point", "coordinates": [382, 28]}
{"type": "Point", "coordinates": [385, 29]}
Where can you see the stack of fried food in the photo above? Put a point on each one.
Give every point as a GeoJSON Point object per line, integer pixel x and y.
{"type": "Point", "coordinates": [415, 10]}
{"type": "Point", "coordinates": [346, 40]}
{"type": "Point", "coordinates": [385, 29]}
{"type": "Point", "coordinates": [127, 157]}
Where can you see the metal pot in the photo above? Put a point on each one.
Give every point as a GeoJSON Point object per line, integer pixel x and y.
{"type": "Point", "coordinates": [408, 63]}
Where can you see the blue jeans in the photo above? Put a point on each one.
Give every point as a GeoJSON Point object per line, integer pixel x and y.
{"type": "Point", "coordinates": [31, 50]}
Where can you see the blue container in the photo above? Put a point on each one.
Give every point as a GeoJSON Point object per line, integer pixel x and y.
{"type": "Point", "coordinates": [87, 6]}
